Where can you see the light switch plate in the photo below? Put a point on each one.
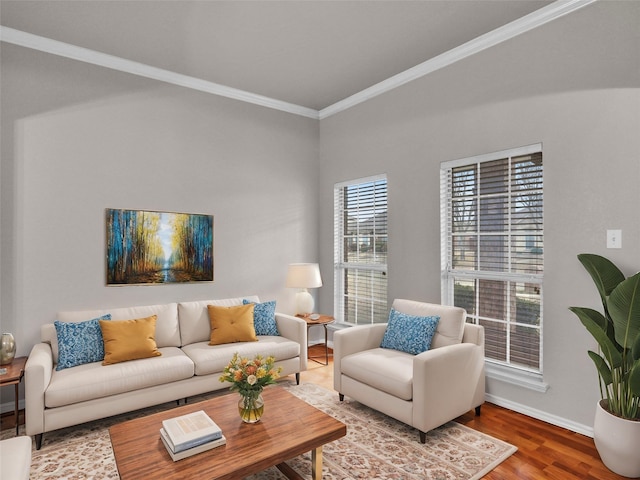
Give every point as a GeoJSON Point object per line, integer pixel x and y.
{"type": "Point", "coordinates": [614, 238]}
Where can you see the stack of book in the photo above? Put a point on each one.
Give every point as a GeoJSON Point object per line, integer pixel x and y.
{"type": "Point", "coordinates": [190, 434]}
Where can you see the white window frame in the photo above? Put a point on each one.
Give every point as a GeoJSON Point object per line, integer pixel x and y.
{"type": "Point", "coordinates": [340, 265]}
{"type": "Point", "coordinates": [505, 371]}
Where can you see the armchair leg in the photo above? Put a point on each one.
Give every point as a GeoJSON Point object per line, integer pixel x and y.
{"type": "Point", "coordinates": [478, 410]}
{"type": "Point", "coordinates": [341, 396]}
{"type": "Point", "coordinates": [39, 440]}
{"type": "Point", "coordinates": [298, 378]}
{"type": "Point", "coordinates": [423, 437]}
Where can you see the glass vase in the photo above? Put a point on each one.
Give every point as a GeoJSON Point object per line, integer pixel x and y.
{"type": "Point", "coordinates": [251, 408]}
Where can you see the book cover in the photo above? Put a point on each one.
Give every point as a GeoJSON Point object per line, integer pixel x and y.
{"type": "Point", "coordinates": [190, 451]}
{"type": "Point", "coordinates": [191, 430]}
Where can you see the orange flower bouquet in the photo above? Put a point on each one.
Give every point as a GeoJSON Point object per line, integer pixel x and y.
{"type": "Point", "coordinates": [248, 378]}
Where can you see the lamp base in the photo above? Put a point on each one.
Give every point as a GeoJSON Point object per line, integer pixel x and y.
{"type": "Point", "coordinates": [304, 302]}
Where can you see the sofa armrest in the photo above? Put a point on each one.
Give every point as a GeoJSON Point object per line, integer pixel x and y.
{"type": "Point", "coordinates": [461, 368]}
{"type": "Point", "coordinates": [37, 375]}
{"type": "Point", "coordinates": [352, 340]}
{"type": "Point", "coordinates": [294, 329]}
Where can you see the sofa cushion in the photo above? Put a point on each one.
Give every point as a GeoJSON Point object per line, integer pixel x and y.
{"type": "Point", "coordinates": [194, 317]}
{"type": "Point", "coordinates": [231, 324]}
{"type": "Point", "coordinates": [450, 327]}
{"type": "Point", "coordinates": [390, 371]}
{"type": "Point", "coordinates": [93, 380]}
{"type": "Point", "coordinates": [212, 359]}
{"type": "Point", "coordinates": [79, 342]}
{"type": "Point", "coordinates": [409, 333]}
{"type": "Point", "coordinates": [264, 317]}
{"type": "Point", "coordinates": [126, 340]}
{"type": "Point", "coordinates": [167, 329]}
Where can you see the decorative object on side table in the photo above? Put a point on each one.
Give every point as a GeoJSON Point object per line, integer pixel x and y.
{"type": "Point", "coordinates": [616, 427]}
{"type": "Point", "coordinates": [7, 349]}
{"type": "Point", "coordinates": [303, 276]}
{"type": "Point", "coordinates": [249, 377]}
{"type": "Point", "coordinates": [13, 375]}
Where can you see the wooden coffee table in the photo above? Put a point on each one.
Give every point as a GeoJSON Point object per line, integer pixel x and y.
{"type": "Point", "coordinates": [288, 428]}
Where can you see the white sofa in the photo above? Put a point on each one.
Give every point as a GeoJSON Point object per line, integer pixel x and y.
{"type": "Point", "coordinates": [424, 390]}
{"type": "Point", "coordinates": [188, 365]}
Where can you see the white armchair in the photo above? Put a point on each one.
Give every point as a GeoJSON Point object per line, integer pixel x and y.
{"type": "Point", "coordinates": [424, 390]}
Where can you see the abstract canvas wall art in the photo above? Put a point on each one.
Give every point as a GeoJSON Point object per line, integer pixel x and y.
{"type": "Point", "coordinates": [146, 247]}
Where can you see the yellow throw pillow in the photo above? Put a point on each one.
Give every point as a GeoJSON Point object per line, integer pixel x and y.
{"type": "Point", "coordinates": [126, 340]}
{"type": "Point", "coordinates": [231, 324]}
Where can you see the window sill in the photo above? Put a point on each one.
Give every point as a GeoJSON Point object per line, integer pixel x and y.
{"type": "Point", "coordinates": [514, 376]}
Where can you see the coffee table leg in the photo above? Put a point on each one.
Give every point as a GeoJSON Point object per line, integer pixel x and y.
{"type": "Point", "coordinates": [316, 463]}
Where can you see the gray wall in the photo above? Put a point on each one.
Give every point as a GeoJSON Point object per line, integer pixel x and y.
{"type": "Point", "coordinates": [572, 85]}
{"type": "Point", "coordinates": [77, 139]}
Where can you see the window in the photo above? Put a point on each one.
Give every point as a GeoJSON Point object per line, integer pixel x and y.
{"type": "Point", "coordinates": [492, 250]}
{"type": "Point", "coordinates": [360, 250]}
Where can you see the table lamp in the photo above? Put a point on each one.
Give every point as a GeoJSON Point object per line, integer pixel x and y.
{"type": "Point", "coordinates": [303, 276]}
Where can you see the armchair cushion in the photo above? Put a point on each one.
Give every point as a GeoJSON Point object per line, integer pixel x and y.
{"type": "Point", "coordinates": [409, 333]}
{"type": "Point", "coordinates": [452, 319]}
{"type": "Point", "coordinates": [390, 371]}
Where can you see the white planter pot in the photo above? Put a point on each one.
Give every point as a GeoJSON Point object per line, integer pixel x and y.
{"type": "Point", "coordinates": [617, 441]}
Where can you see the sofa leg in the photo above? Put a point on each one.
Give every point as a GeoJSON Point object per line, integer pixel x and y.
{"type": "Point", "coordinates": [478, 410]}
{"type": "Point", "coordinates": [423, 436]}
{"type": "Point", "coordinates": [39, 440]}
{"type": "Point", "coordinates": [298, 378]}
{"type": "Point", "coordinates": [341, 396]}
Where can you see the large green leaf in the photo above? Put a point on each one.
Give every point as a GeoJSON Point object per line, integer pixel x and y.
{"type": "Point", "coordinates": [634, 378]}
{"type": "Point", "coordinates": [624, 308]}
{"type": "Point", "coordinates": [635, 350]}
{"type": "Point", "coordinates": [595, 323]}
{"type": "Point", "coordinates": [604, 273]}
{"type": "Point", "coordinates": [603, 369]}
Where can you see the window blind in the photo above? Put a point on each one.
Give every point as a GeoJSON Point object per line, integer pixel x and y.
{"type": "Point", "coordinates": [492, 249]}
{"type": "Point", "coordinates": [360, 250]}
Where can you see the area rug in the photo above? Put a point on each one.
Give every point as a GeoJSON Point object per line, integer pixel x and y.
{"type": "Point", "coordinates": [375, 447]}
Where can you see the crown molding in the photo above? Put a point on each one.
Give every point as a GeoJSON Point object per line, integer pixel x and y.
{"type": "Point", "coordinates": [43, 44]}
{"type": "Point", "coordinates": [533, 20]}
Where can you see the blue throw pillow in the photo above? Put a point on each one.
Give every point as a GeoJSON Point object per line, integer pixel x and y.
{"type": "Point", "coordinates": [79, 342]}
{"type": "Point", "coordinates": [409, 333]}
{"type": "Point", "coordinates": [264, 317]}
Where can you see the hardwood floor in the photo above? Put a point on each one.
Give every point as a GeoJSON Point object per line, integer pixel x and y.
{"type": "Point", "coordinates": [544, 451]}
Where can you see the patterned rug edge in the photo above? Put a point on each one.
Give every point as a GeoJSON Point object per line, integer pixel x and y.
{"type": "Point", "coordinates": [376, 446]}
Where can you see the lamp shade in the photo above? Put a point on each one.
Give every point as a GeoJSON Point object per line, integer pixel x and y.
{"type": "Point", "coordinates": [304, 275]}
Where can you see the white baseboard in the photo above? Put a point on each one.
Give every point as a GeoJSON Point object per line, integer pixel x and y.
{"type": "Point", "coordinates": [540, 415]}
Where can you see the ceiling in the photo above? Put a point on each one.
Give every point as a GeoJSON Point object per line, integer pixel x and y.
{"type": "Point", "coordinates": [305, 52]}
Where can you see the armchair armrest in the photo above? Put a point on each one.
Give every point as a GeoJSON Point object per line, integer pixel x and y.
{"type": "Point", "coordinates": [37, 375]}
{"type": "Point", "coordinates": [473, 334]}
{"type": "Point", "coordinates": [294, 329]}
{"type": "Point", "coordinates": [352, 340]}
{"type": "Point", "coordinates": [461, 368]}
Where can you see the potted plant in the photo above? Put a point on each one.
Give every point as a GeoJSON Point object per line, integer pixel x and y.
{"type": "Point", "coordinates": [617, 330]}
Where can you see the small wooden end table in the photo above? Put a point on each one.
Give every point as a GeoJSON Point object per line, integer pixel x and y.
{"type": "Point", "coordinates": [15, 372]}
{"type": "Point", "coordinates": [323, 320]}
